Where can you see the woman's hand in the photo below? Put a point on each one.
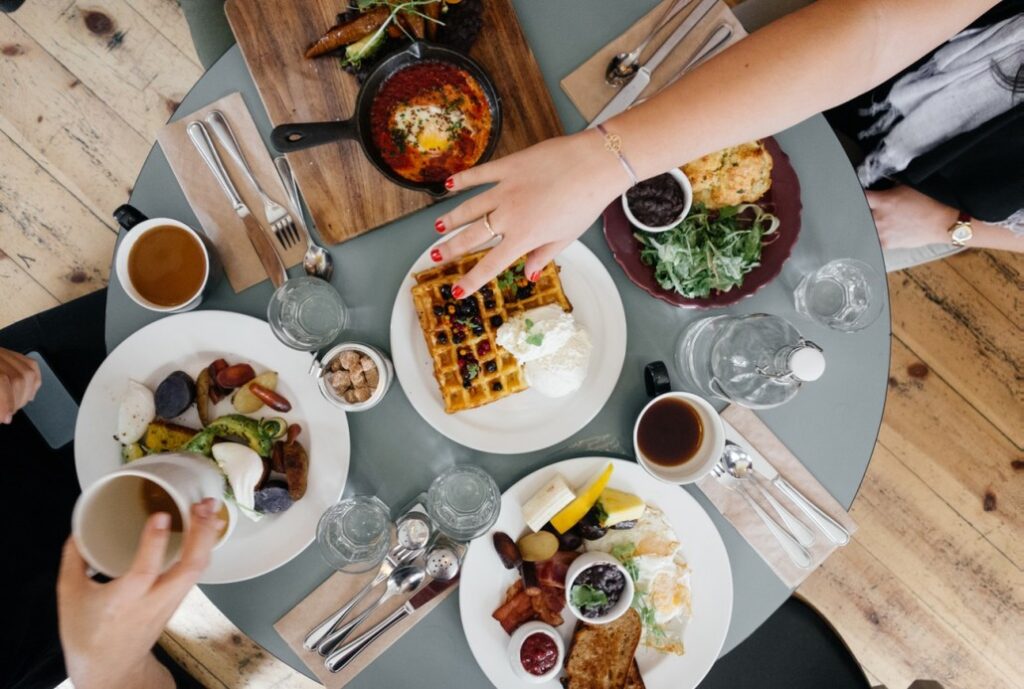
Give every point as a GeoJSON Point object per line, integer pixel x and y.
{"type": "Point", "coordinates": [906, 218]}
{"type": "Point", "coordinates": [19, 381]}
{"type": "Point", "coordinates": [546, 196]}
{"type": "Point", "coordinates": [107, 630]}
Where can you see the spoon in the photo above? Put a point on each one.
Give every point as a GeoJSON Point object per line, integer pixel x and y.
{"type": "Point", "coordinates": [624, 65]}
{"type": "Point", "coordinates": [740, 466]}
{"type": "Point", "coordinates": [317, 261]}
{"type": "Point", "coordinates": [402, 581]}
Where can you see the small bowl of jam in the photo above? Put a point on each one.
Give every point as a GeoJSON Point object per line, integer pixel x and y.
{"type": "Point", "coordinates": [536, 652]}
{"type": "Point", "coordinates": [598, 589]}
{"type": "Point", "coordinates": [660, 203]}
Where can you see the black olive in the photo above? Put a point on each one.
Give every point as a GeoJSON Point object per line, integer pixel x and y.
{"type": "Point", "coordinates": [570, 540]}
{"type": "Point", "coordinates": [174, 395]}
{"type": "Point", "coordinates": [589, 527]}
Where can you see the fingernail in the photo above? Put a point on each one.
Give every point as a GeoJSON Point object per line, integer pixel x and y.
{"type": "Point", "coordinates": [439, 226]}
{"type": "Point", "coordinates": [435, 255]}
{"type": "Point", "coordinates": [458, 292]}
{"type": "Point", "coordinates": [218, 524]}
{"type": "Point", "coordinates": [161, 521]}
{"type": "Point", "coordinates": [535, 276]}
{"type": "Point", "coordinates": [449, 183]}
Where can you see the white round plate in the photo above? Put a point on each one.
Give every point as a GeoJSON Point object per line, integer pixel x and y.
{"type": "Point", "coordinates": [484, 580]}
{"type": "Point", "coordinates": [526, 421]}
{"type": "Point", "coordinates": [188, 342]}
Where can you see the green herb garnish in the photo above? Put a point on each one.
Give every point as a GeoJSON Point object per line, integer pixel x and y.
{"type": "Point", "coordinates": [602, 516]}
{"type": "Point", "coordinates": [536, 339]}
{"type": "Point", "coordinates": [529, 324]}
{"type": "Point", "coordinates": [472, 370]}
{"type": "Point", "coordinates": [709, 250]}
{"type": "Point", "coordinates": [584, 596]}
{"type": "Point", "coordinates": [624, 552]}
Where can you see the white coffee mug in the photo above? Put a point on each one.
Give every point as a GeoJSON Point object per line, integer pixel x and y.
{"type": "Point", "coordinates": [710, 450]}
{"type": "Point", "coordinates": [124, 249]}
{"type": "Point", "coordinates": [109, 516]}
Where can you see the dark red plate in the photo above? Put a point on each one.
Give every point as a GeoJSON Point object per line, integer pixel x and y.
{"type": "Point", "coordinates": [783, 199]}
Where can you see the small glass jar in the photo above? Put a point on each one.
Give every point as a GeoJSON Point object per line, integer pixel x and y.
{"type": "Point", "coordinates": [321, 369]}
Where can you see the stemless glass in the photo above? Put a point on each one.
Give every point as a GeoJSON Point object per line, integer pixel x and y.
{"type": "Point", "coordinates": [307, 313]}
{"type": "Point", "coordinates": [464, 502]}
{"type": "Point", "coordinates": [354, 535]}
{"type": "Point", "coordinates": [845, 294]}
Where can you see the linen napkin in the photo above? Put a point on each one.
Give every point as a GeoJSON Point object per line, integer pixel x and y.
{"type": "Point", "coordinates": [744, 428]}
{"type": "Point", "coordinates": [218, 219]}
{"type": "Point", "coordinates": [328, 597]}
{"type": "Point", "coordinates": [586, 86]}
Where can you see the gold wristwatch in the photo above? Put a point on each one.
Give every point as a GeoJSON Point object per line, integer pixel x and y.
{"type": "Point", "coordinates": [961, 231]}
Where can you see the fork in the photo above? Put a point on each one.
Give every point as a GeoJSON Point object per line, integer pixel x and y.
{"type": "Point", "coordinates": [396, 557]}
{"type": "Point", "coordinates": [280, 221]}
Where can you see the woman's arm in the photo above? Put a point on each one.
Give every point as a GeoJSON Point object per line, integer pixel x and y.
{"type": "Point", "coordinates": [817, 57]}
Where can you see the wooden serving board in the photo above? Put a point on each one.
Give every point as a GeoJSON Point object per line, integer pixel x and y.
{"type": "Point", "coordinates": [345, 193]}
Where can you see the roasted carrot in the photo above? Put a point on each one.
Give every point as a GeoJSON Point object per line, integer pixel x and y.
{"type": "Point", "coordinates": [343, 34]}
{"type": "Point", "coordinates": [433, 10]}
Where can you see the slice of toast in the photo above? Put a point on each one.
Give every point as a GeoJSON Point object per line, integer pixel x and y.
{"type": "Point", "coordinates": [633, 679]}
{"type": "Point", "coordinates": [601, 655]}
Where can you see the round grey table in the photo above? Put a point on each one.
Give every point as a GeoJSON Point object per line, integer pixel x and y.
{"type": "Point", "coordinates": [831, 425]}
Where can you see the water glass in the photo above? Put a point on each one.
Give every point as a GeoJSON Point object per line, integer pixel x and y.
{"type": "Point", "coordinates": [307, 313]}
{"type": "Point", "coordinates": [354, 535]}
{"type": "Point", "coordinates": [845, 294]}
{"type": "Point", "coordinates": [464, 502]}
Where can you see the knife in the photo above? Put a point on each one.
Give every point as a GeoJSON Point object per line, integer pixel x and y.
{"type": "Point", "coordinates": [631, 91]}
{"type": "Point", "coordinates": [272, 263]}
{"type": "Point", "coordinates": [765, 471]}
{"type": "Point", "coordinates": [344, 655]}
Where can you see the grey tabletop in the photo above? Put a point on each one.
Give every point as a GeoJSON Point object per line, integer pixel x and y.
{"type": "Point", "coordinates": [831, 425]}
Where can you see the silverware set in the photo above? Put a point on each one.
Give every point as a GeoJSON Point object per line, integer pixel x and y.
{"type": "Point", "coordinates": [282, 225]}
{"type": "Point", "coordinates": [416, 557]}
{"type": "Point", "coordinates": [735, 470]}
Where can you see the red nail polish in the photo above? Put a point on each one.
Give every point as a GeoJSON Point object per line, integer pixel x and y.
{"type": "Point", "coordinates": [439, 226]}
{"type": "Point", "coordinates": [449, 183]}
{"type": "Point", "coordinates": [435, 255]}
{"type": "Point", "coordinates": [535, 276]}
{"type": "Point", "coordinates": [458, 292]}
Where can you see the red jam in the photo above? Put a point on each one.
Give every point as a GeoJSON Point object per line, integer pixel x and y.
{"type": "Point", "coordinates": [539, 654]}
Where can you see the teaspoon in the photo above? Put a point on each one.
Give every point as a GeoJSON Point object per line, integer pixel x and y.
{"type": "Point", "coordinates": [317, 261]}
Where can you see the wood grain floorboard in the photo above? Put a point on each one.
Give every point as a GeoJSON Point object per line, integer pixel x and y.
{"type": "Point", "coordinates": [930, 588]}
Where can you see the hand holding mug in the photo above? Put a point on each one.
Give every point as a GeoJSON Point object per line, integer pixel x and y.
{"type": "Point", "coordinates": [107, 630]}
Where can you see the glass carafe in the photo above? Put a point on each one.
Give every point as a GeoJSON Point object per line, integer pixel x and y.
{"type": "Point", "coordinates": [756, 361]}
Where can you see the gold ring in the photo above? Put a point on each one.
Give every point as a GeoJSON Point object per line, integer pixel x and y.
{"type": "Point", "coordinates": [487, 224]}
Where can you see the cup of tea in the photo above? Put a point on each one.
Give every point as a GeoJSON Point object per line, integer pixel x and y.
{"type": "Point", "coordinates": [163, 265]}
{"type": "Point", "coordinates": [109, 517]}
{"type": "Point", "coordinates": [678, 437]}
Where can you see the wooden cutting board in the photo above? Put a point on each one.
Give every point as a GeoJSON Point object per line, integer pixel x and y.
{"type": "Point", "coordinates": [346, 195]}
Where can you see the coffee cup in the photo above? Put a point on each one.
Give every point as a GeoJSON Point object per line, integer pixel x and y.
{"type": "Point", "coordinates": [109, 517]}
{"type": "Point", "coordinates": [678, 437]}
{"type": "Point", "coordinates": [163, 265]}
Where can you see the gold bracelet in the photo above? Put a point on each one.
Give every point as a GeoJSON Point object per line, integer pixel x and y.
{"type": "Point", "coordinates": [613, 143]}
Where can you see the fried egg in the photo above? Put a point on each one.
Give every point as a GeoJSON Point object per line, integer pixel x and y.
{"type": "Point", "coordinates": [651, 551]}
{"type": "Point", "coordinates": [429, 129]}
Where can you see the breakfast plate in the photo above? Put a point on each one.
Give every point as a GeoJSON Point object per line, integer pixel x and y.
{"type": "Point", "coordinates": [782, 199]}
{"type": "Point", "coordinates": [484, 579]}
{"type": "Point", "coordinates": [526, 421]}
{"type": "Point", "coordinates": [188, 342]}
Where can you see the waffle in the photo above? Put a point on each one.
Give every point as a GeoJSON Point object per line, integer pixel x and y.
{"type": "Point", "coordinates": [470, 368]}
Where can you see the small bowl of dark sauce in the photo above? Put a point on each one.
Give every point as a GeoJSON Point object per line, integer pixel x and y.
{"type": "Point", "coordinates": [660, 203]}
{"type": "Point", "coordinates": [598, 589]}
{"type": "Point", "coordinates": [678, 437]}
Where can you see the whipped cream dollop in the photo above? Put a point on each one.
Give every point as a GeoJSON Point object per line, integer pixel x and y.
{"type": "Point", "coordinates": [552, 347]}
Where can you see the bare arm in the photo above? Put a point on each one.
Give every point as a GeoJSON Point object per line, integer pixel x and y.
{"type": "Point", "coordinates": [817, 57]}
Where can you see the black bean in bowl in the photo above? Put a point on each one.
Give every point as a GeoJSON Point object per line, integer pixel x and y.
{"type": "Point", "coordinates": [591, 583]}
{"type": "Point", "coordinates": [657, 201]}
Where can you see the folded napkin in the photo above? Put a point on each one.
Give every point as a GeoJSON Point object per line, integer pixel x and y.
{"type": "Point", "coordinates": [210, 204]}
{"type": "Point", "coordinates": [328, 597]}
{"type": "Point", "coordinates": [744, 428]}
{"type": "Point", "coordinates": [586, 86]}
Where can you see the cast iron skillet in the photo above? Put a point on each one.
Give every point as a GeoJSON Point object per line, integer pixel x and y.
{"type": "Point", "coordinates": [295, 137]}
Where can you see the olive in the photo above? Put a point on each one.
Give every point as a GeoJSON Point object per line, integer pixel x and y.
{"type": "Point", "coordinates": [589, 527]}
{"type": "Point", "coordinates": [508, 552]}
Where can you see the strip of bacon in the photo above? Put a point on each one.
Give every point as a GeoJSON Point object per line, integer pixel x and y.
{"type": "Point", "coordinates": [552, 572]}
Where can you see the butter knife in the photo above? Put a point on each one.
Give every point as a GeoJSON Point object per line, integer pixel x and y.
{"type": "Point", "coordinates": [260, 240]}
{"type": "Point", "coordinates": [631, 91]}
{"type": "Point", "coordinates": [344, 655]}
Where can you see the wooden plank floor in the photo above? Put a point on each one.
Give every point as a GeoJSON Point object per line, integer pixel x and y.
{"type": "Point", "coordinates": [932, 586]}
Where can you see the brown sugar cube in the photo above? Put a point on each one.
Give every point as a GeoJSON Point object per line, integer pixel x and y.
{"type": "Point", "coordinates": [357, 378]}
{"type": "Point", "coordinates": [363, 393]}
{"type": "Point", "coordinates": [335, 364]}
{"type": "Point", "coordinates": [340, 381]}
{"type": "Point", "coordinates": [350, 396]}
{"type": "Point", "coordinates": [372, 377]}
{"type": "Point", "coordinates": [367, 363]}
{"type": "Point", "coordinates": [349, 360]}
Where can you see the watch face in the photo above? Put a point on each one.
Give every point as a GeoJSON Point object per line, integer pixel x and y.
{"type": "Point", "coordinates": [962, 233]}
